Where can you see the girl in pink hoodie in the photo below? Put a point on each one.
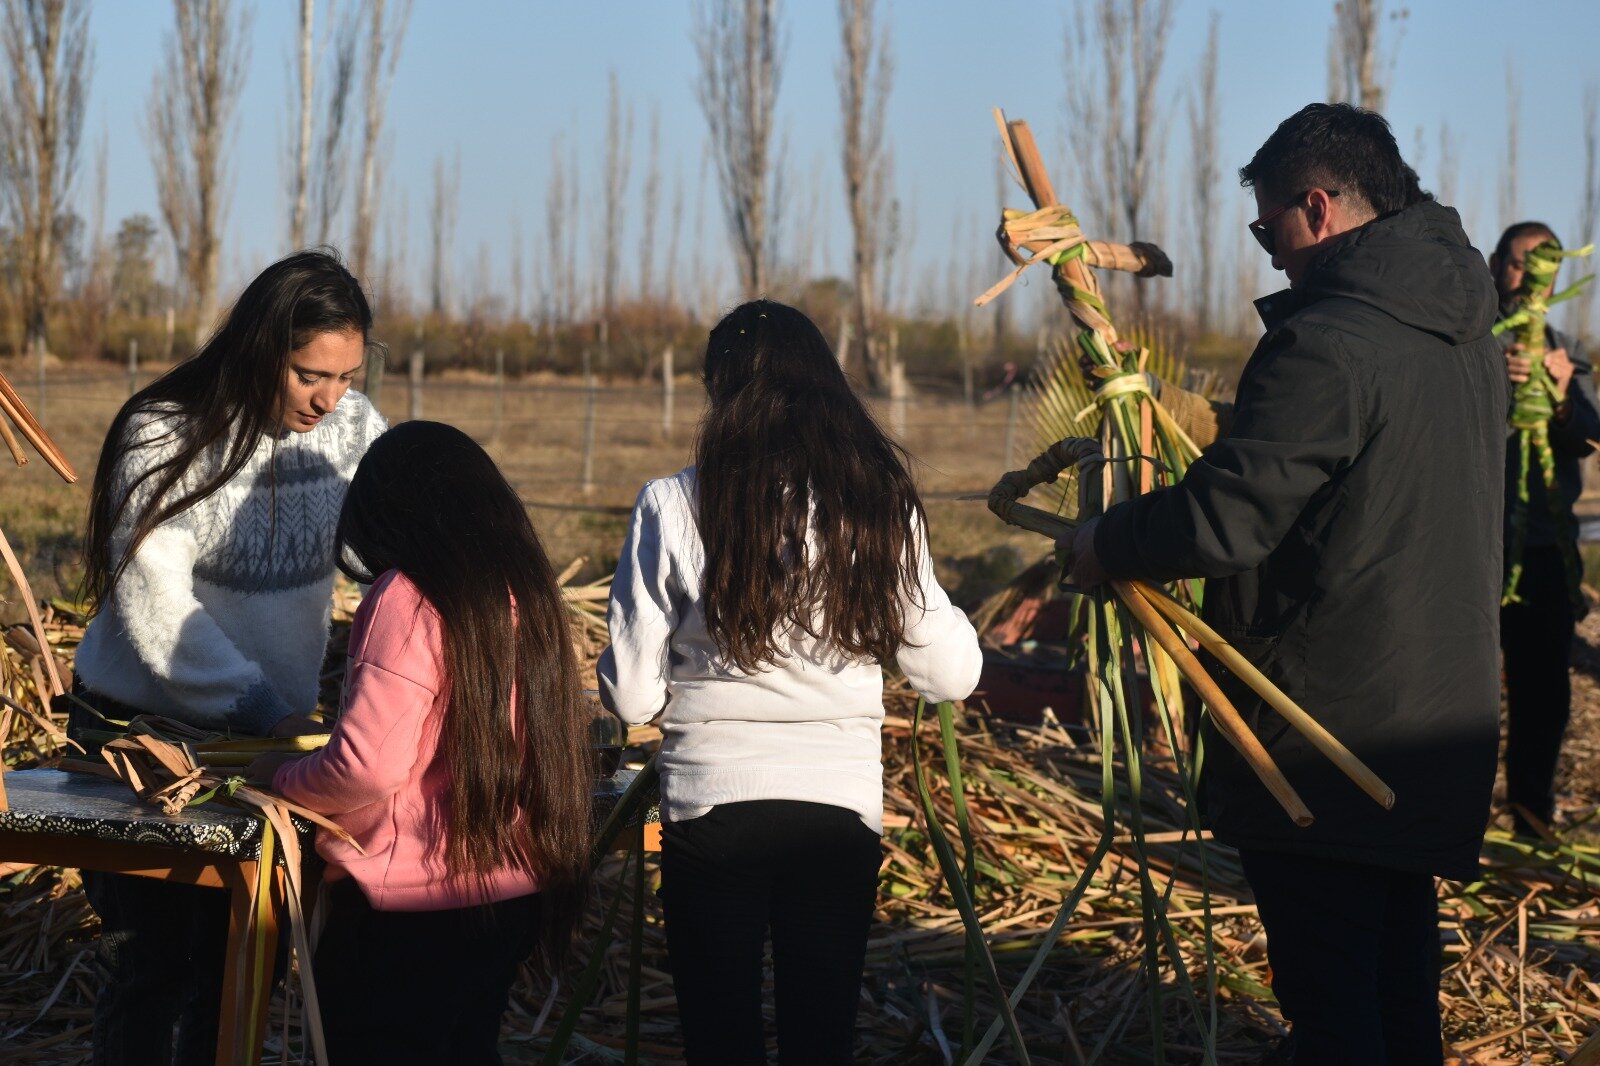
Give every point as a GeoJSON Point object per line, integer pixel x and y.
{"type": "Point", "coordinates": [460, 762]}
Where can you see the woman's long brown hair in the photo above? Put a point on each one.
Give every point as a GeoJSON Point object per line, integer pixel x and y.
{"type": "Point", "coordinates": [807, 512]}
{"type": "Point", "coordinates": [224, 400]}
{"type": "Point", "coordinates": [429, 502]}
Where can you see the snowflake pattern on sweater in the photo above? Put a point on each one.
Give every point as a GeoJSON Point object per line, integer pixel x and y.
{"type": "Point", "coordinates": [221, 616]}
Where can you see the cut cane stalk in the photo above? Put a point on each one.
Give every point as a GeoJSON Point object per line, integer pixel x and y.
{"type": "Point", "coordinates": [1291, 712]}
{"type": "Point", "coordinates": [1223, 713]}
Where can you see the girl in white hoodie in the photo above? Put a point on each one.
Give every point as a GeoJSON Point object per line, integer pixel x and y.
{"type": "Point", "coordinates": [756, 596]}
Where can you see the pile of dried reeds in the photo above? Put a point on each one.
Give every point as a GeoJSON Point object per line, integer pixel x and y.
{"type": "Point", "coordinates": [1523, 943]}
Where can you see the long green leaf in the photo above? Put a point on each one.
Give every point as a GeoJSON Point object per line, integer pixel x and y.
{"type": "Point", "coordinates": [951, 868]}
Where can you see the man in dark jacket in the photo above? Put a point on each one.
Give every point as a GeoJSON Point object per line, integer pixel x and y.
{"type": "Point", "coordinates": [1536, 632]}
{"type": "Point", "coordinates": [1350, 523]}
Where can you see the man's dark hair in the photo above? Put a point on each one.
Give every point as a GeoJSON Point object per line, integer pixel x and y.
{"type": "Point", "coordinates": [1520, 230]}
{"type": "Point", "coordinates": [1340, 147]}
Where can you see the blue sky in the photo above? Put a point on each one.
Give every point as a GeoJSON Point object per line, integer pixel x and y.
{"type": "Point", "coordinates": [496, 80]}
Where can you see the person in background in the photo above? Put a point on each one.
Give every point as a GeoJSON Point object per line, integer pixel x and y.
{"type": "Point", "coordinates": [460, 763]}
{"type": "Point", "coordinates": [756, 596]}
{"type": "Point", "coordinates": [208, 558]}
{"type": "Point", "coordinates": [1349, 526]}
{"type": "Point", "coordinates": [1536, 634]}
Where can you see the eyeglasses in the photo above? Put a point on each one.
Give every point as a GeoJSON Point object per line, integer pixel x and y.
{"type": "Point", "coordinates": [1261, 228]}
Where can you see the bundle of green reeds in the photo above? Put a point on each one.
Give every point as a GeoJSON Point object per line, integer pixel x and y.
{"type": "Point", "coordinates": [1138, 447]}
{"type": "Point", "coordinates": [1533, 406]}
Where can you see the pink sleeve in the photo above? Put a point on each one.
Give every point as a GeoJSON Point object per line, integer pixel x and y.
{"type": "Point", "coordinates": [395, 654]}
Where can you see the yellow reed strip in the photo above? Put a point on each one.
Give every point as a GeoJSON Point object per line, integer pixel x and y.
{"type": "Point", "coordinates": [1293, 713]}
{"type": "Point", "coordinates": [1223, 713]}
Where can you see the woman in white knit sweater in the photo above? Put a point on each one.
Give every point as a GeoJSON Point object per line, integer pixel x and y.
{"type": "Point", "coordinates": [757, 594]}
{"type": "Point", "coordinates": [209, 558]}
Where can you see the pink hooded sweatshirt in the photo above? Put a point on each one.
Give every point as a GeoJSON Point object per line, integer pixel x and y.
{"type": "Point", "coordinates": [383, 775]}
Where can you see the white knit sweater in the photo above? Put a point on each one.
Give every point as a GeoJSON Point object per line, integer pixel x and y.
{"type": "Point", "coordinates": [221, 617]}
{"type": "Point", "coordinates": [805, 730]}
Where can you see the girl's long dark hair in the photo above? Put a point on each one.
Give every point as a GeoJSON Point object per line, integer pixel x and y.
{"type": "Point", "coordinates": [807, 512]}
{"type": "Point", "coordinates": [225, 397]}
{"type": "Point", "coordinates": [429, 502]}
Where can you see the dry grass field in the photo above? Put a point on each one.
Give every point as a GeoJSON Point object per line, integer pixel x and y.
{"type": "Point", "coordinates": [538, 439]}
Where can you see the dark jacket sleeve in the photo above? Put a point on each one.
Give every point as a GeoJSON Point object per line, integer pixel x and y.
{"type": "Point", "coordinates": [1572, 437]}
{"type": "Point", "coordinates": [1297, 422]}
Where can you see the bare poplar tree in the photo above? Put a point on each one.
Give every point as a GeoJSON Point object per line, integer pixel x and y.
{"type": "Point", "coordinates": [555, 223]}
{"type": "Point", "coordinates": [443, 210]}
{"type": "Point", "coordinates": [1357, 73]}
{"type": "Point", "coordinates": [515, 265]}
{"type": "Point", "coordinates": [332, 151]}
{"type": "Point", "coordinates": [1113, 101]}
{"type": "Point", "coordinates": [1448, 175]}
{"type": "Point", "coordinates": [42, 96]}
{"type": "Point", "coordinates": [669, 268]}
{"type": "Point", "coordinates": [650, 205]}
{"type": "Point", "coordinates": [191, 114]}
{"type": "Point", "coordinates": [1508, 171]}
{"type": "Point", "coordinates": [618, 161]}
{"type": "Point", "coordinates": [300, 186]}
{"type": "Point", "coordinates": [1589, 204]}
{"type": "Point", "coordinates": [386, 28]}
{"type": "Point", "coordinates": [740, 66]}
{"type": "Point", "coordinates": [866, 73]}
{"type": "Point", "coordinates": [1205, 122]}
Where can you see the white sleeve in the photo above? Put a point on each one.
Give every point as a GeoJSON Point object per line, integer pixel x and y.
{"type": "Point", "coordinates": [633, 672]}
{"type": "Point", "coordinates": [941, 657]}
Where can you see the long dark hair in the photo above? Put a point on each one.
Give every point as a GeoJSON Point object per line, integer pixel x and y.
{"type": "Point", "coordinates": [807, 512]}
{"type": "Point", "coordinates": [428, 501]}
{"type": "Point", "coordinates": [224, 397]}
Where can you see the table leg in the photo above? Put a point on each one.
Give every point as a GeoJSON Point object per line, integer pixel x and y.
{"type": "Point", "coordinates": [247, 977]}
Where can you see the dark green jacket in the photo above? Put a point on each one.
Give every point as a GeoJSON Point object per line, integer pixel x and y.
{"type": "Point", "coordinates": [1350, 524]}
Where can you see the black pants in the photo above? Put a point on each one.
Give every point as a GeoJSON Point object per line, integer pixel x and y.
{"type": "Point", "coordinates": [160, 952]}
{"type": "Point", "coordinates": [1355, 959]}
{"type": "Point", "coordinates": [806, 871]}
{"type": "Point", "coordinates": [424, 987]}
{"type": "Point", "coordinates": [1536, 636]}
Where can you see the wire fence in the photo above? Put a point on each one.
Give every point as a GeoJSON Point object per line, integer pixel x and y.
{"type": "Point", "coordinates": [575, 440]}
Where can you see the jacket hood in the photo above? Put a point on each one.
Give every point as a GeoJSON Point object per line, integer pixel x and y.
{"type": "Point", "coordinates": [1416, 265]}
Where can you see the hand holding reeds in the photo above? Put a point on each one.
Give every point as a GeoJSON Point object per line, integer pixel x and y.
{"type": "Point", "coordinates": [1165, 620]}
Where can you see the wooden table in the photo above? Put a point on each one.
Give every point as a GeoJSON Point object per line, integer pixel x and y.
{"type": "Point", "coordinates": [89, 823]}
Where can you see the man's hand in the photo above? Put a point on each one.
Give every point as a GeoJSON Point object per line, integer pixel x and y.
{"type": "Point", "coordinates": [1556, 361]}
{"type": "Point", "coordinates": [265, 766]}
{"type": "Point", "coordinates": [1518, 366]}
{"type": "Point", "coordinates": [298, 725]}
{"type": "Point", "coordinates": [1082, 566]}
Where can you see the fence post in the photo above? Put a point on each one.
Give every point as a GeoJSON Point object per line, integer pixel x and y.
{"type": "Point", "coordinates": [588, 424]}
{"type": "Point", "coordinates": [172, 330]}
{"type": "Point", "coordinates": [1011, 428]}
{"type": "Point", "coordinates": [415, 390]}
{"type": "Point", "coordinates": [133, 365]}
{"type": "Point", "coordinates": [966, 367]}
{"type": "Point", "coordinates": [841, 350]}
{"type": "Point", "coordinates": [899, 390]}
{"type": "Point", "coordinates": [667, 387]}
{"type": "Point", "coordinates": [38, 352]}
{"type": "Point", "coordinates": [499, 390]}
{"type": "Point", "coordinates": [372, 379]}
